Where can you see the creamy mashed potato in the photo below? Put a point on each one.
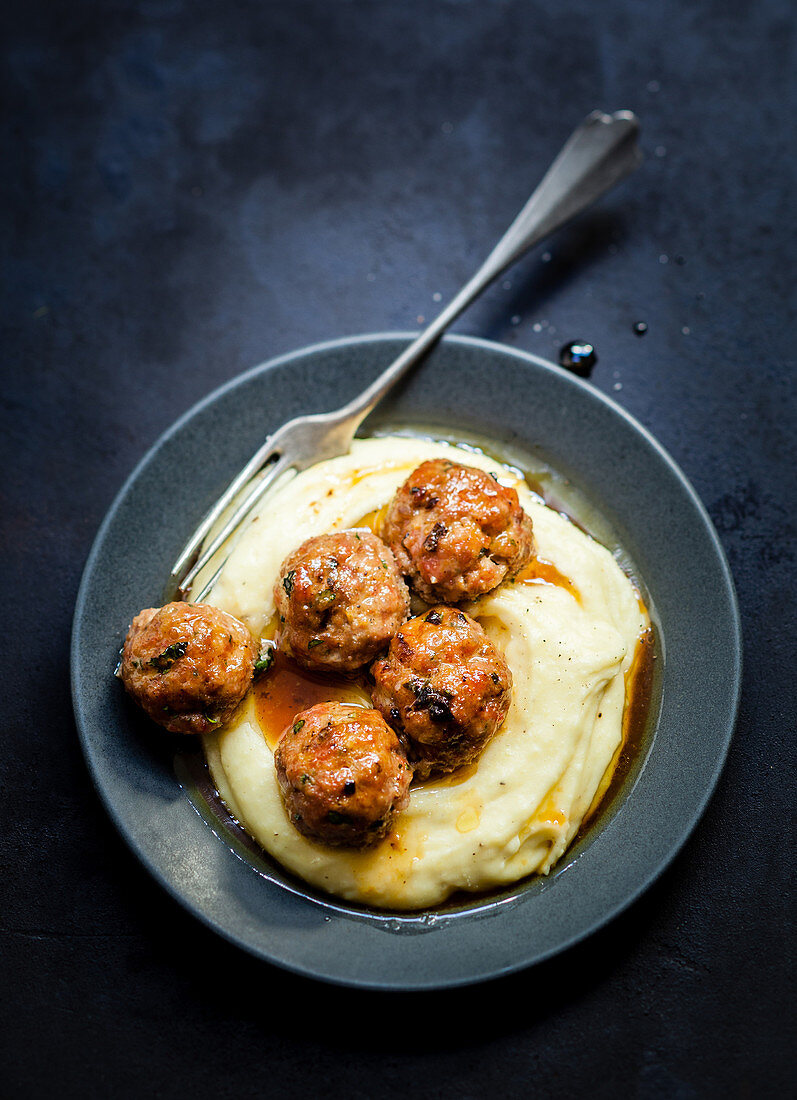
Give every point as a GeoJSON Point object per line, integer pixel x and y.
{"type": "Point", "coordinates": [570, 647]}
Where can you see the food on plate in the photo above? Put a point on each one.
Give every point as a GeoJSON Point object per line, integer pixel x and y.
{"type": "Point", "coordinates": [456, 531]}
{"type": "Point", "coordinates": [340, 598]}
{"type": "Point", "coordinates": [188, 665]}
{"type": "Point", "coordinates": [343, 774]}
{"type": "Point", "coordinates": [569, 625]}
{"type": "Point", "coordinates": [444, 687]}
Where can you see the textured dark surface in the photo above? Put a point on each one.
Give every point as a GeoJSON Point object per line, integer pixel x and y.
{"type": "Point", "coordinates": [192, 188]}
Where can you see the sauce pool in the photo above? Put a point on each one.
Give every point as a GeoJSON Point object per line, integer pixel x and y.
{"type": "Point", "coordinates": [287, 689]}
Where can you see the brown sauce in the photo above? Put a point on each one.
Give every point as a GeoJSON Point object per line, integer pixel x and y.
{"type": "Point", "coordinates": [540, 571]}
{"type": "Point", "coordinates": [638, 694]}
{"type": "Point", "coordinates": [373, 521]}
{"type": "Point", "coordinates": [286, 689]}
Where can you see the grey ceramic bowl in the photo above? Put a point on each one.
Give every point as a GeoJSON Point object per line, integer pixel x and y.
{"type": "Point", "coordinates": [467, 387]}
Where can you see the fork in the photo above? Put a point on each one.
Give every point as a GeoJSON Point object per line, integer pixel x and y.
{"type": "Point", "coordinates": [598, 154]}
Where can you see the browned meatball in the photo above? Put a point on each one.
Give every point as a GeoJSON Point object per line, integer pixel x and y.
{"type": "Point", "coordinates": [444, 687]}
{"type": "Point", "coordinates": [188, 665]}
{"type": "Point", "coordinates": [343, 774]}
{"type": "Point", "coordinates": [340, 598]}
{"type": "Point", "coordinates": [456, 533]}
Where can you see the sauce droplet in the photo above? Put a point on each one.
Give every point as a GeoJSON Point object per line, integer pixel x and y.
{"type": "Point", "coordinates": [640, 328]}
{"type": "Point", "coordinates": [468, 820]}
{"type": "Point", "coordinates": [579, 357]}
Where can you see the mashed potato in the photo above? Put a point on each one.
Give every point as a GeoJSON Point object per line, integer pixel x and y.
{"type": "Point", "coordinates": [569, 645]}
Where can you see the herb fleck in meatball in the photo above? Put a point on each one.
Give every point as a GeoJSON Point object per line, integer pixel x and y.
{"type": "Point", "coordinates": [456, 533]}
{"type": "Point", "coordinates": [188, 665]}
{"type": "Point", "coordinates": [343, 774]}
{"type": "Point", "coordinates": [340, 598]}
{"type": "Point", "coordinates": [444, 687]}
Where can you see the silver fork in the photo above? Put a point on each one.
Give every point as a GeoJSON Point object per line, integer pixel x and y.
{"type": "Point", "coordinates": [598, 154]}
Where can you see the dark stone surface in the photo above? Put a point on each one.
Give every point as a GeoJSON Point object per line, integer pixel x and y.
{"type": "Point", "coordinates": [192, 188]}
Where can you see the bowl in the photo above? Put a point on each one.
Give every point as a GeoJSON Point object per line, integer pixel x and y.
{"type": "Point", "coordinates": [633, 496]}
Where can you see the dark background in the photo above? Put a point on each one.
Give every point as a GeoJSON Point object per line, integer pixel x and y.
{"type": "Point", "coordinates": [191, 188]}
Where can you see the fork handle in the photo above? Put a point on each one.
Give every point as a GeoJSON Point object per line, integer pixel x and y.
{"type": "Point", "coordinates": [597, 155]}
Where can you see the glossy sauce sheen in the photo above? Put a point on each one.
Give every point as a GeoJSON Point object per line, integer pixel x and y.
{"type": "Point", "coordinates": [287, 688]}
{"type": "Point", "coordinates": [638, 694]}
{"type": "Point", "coordinates": [539, 571]}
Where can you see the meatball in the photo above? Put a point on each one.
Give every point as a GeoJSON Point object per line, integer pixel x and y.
{"type": "Point", "coordinates": [340, 598]}
{"type": "Point", "coordinates": [444, 687]}
{"type": "Point", "coordinates": [188, 665]}
{"type": "Point", "coordinates": [343, 773]}
{"type": "Point", "coordinates": [456, 533]}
